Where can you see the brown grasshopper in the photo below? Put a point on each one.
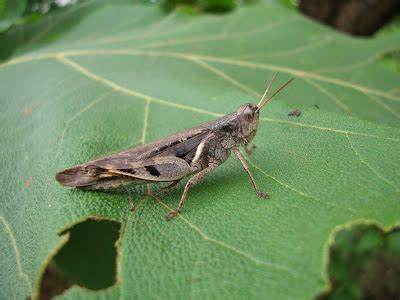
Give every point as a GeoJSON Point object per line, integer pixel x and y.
{"type": "Point", "coordinates": [195, 151]}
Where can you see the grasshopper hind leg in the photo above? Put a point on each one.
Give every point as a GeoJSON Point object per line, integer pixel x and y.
{"type": "Point", "coordinates": [192, 182]}
{"type": "Point", "coordinates": [107, 184]}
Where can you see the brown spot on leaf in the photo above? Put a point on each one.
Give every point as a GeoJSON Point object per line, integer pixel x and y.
{"type": "Point", "coordinates": [28, 183]}
{"type": "Point", "coordinates": [295, 113]}
{"type": "Point", "coordinates": [27, 111]}
{"type": "Point", "coordinates": [195, 279]}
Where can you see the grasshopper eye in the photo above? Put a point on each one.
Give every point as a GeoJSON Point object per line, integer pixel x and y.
{"type": "Point", "coordinates": [248, 114]}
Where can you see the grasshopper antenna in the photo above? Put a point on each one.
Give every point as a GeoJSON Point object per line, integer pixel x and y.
{"type": "Point", "coordinates": [259, 107]}
{"type": "Point", "coordinates": [268, 87]}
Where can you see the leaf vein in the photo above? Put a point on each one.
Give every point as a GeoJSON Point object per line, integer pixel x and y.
{"type": "Point", "coordinates": [351, 210]}
{"type": "Point", "coordinates": [328, 129]}
{"type": "Point", "coordinates": [287, 52]}
{"type": "Point", "coordinates": [384, 105]}
{"type": "Point", "coordinates": [134, 93]}
{"type": "Point", "coordinates": [226, 77]}
{"type": "Point", "coordinates": [220, 37]}
{"type": "Point", "coordinates": [145, 121]}
{"type": "Point", "coordinates": [239, 252]}
{"type": "Point", "coordinates": [364, 162]}
{"type": "Point", "coordinates": [347, 68]}
{"type": "Point", "coordinates": [77, 115]}
{"type": "Point", "coordinates": [21, 272]}
{"type": "Point", "coordinates": [189, 56]}
{"type": "Point", "coordinates": [329, 94]}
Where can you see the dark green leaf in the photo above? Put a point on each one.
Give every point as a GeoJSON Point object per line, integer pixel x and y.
{"type": "Point", "coordinates": [128, 75]}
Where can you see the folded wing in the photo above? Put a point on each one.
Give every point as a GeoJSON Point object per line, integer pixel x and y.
{"type": "Point", "coordinates": [167, 159]}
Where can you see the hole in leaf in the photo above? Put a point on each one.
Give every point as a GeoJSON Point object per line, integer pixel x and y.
{"type": "Point", "coordinates": [53, 283]}
{"type": "Point", "coordinates": [88, 259]}
{"type": "Point", "coordinates": [364, 263]}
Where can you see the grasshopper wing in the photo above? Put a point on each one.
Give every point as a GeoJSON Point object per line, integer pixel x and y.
{"type": "Point", "coordinates": [167, 159]}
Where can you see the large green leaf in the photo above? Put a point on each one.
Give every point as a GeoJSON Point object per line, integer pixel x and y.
{"type": "Point", "coordinates": [128, 75]}
{"type": "Point", "coordinates": [337, 72]}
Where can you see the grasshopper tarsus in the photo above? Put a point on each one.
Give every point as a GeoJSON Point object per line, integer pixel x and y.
{"type": "Point", "coordinates": [172, 214]}
{"type": "Point", "coordinates": [262, 195]}
{"type": "Point", "coordinates": [131, 205]}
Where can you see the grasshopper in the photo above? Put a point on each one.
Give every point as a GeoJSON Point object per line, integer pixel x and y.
{"type": "Point", "coordinates": [195, 151]}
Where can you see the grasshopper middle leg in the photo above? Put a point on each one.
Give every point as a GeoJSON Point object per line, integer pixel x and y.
{"type": "Point", "coordinates": [168, 187]}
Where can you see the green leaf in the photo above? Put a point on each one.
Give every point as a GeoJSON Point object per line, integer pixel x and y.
{"type": "Point", "coordinates": [139, 76]}
{"type": "Point", "coordinates": [2, 5]}
{"type": "Point", "coordinates": [11, 13]}
{"type": "Point", "coordinates": [12, 9]}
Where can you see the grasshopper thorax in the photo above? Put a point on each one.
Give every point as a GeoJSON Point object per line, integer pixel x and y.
{"type": "Point", "coordinates": [248, 118]}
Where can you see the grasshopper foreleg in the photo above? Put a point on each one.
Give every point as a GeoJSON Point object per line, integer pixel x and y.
{"type": "Point", "coordinates": [259, 193]}
{"type": "Point", "coordinates": [192, 181]}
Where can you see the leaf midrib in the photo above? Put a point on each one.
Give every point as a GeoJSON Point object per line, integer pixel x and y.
{"type": "Point", "coordinates": [190, 57]}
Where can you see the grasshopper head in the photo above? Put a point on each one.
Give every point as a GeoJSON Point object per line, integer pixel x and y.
{"type": "Point", "coordinates": [248, 117]}
{"type": "Point", "coordinates": [249, 114]}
